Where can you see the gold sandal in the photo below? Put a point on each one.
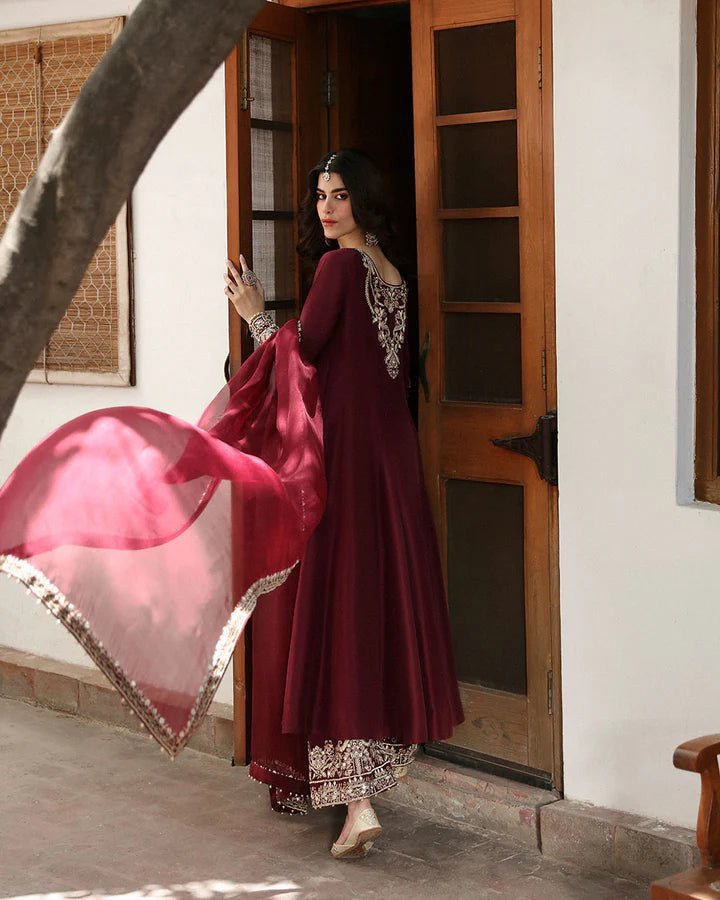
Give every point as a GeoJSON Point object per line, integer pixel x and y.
{"type": "Point", "coordinates": [361, 838]}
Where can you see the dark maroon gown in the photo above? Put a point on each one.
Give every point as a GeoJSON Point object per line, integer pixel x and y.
{"type": "Point", "coordinates": [356, 644]}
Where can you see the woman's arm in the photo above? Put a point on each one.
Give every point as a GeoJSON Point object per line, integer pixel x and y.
{"type": "Point", "coordinates": [321, 312]}
{"type": "Point", "coordinates": [249, 300]}
{"type": "Point", "coordinates": [262, 326]}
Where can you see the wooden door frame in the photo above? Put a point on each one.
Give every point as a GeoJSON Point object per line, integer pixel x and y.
{"type": "Point", "coordinates": [276, 22]}
{"type": "Point", "coordinates": [548, 188]}
{"type": "Point", "coordinates": [238, 176]}
{"type": "Point", "coordinates": [237, 149]}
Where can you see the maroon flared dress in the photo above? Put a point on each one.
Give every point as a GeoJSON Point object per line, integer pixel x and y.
{"type": "Point", "coordinates": [352, 657]}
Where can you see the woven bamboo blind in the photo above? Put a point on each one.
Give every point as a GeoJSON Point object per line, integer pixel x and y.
{"type": "Point", "coordinates": [43, 70]}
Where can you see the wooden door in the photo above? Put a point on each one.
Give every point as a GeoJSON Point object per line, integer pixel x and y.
{"type": "Point", "coordinates": [276, 129]}
{"type": "Point", "coordinates": [481, 251]}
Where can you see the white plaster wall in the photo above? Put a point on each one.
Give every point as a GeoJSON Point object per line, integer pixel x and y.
{"type": "Point", "coordinates": [179, 222]}
{"type": "Point", "coordinates": [640, 563]}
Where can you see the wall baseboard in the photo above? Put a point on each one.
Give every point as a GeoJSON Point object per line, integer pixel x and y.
{"type": "Point", "coordinates": [84, 691]}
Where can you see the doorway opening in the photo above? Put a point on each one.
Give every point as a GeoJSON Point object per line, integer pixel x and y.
{"type": "Point", "coordinates": [370, 108]}
{"type": "Point", "coordinates": [456, 96]}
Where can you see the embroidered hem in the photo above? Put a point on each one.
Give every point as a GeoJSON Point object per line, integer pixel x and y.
{"type": "Point", "coordinates": [56, 603]}
{"type": "Point", "coordinates": [282, 799]}
{"type": "Point", "coordinates": [347, 770]}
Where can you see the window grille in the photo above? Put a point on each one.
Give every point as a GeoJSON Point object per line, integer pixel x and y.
{"type": "Point", "coordinates": [43, 70]}
{"type": "Point", "coordinates": [271, 153]}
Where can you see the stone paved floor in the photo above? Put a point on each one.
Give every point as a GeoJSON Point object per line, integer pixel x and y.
{"type": "Point", "coordinates": [92, 811]}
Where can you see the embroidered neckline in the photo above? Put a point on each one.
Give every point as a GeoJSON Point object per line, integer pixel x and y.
{"type": "Point", "coordinates": [366, 256]}
{"type": "Point", "coordinates": [384, 300]}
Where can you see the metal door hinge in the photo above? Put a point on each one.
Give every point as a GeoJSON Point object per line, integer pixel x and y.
{"type": "Point", "coordinates": [540, 446]}
{"type": "Point", "coordinates": [540, 67]}
{"type": "Point", "coordinates": [544, 371]}
{"type": "Point", "coordinates": [246, 99]}
{"type": "Point", "coordinates": [244, 47]}
{"type": "Point", "coordinates": [550, 693]}
{"type": "Point", "coordinates": [329, 88]}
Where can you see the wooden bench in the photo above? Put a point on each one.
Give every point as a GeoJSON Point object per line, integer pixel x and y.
{"type": "Point", "coordinates": [699, 755]}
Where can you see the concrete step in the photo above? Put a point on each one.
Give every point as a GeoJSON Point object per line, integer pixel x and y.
{"type": "Point", "coordinates": [627, 845]}
{"type": "Point", "coordinates": [475, 799]}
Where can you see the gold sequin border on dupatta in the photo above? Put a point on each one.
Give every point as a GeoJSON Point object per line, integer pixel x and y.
{"type": "Point", "coordinates": [353, 769]}
{"type": "Point", "coordinates": [67, 614]}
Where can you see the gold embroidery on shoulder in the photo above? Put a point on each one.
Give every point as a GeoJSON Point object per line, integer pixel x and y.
{"type": "Point", "coordinates": [385, 300]}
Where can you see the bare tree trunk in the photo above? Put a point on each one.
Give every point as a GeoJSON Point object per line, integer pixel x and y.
{"type": "Point", "coordinates": [163, 57]}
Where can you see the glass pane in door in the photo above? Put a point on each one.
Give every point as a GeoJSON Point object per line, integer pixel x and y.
{"type": "Point", "coordinates": [481, 260]}
{"type": "Point", "coordinates": [478, 165]}
{"type": "Point", "coordinates": [270, 78]}
{"type": "Point", "coordinates": [486, 583]}
{"type": "Point", "coordinates": [274, 259]}
{"type": "Point", "coordinates": [271, 148]}
{"type": "Point", "coordinates": [482, 358]}
{"type": "Point", "coordinates": [476, 68]}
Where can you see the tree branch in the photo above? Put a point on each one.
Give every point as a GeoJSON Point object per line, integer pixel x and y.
{"type": "Point", "coordinates": [166, 53]}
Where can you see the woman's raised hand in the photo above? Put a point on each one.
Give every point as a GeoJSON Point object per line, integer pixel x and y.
{"type": "Point", "coordinates": [247, 299]}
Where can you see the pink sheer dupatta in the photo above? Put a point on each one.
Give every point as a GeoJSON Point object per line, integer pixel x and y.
{"type": "Point", "coordinates": [151, 539]}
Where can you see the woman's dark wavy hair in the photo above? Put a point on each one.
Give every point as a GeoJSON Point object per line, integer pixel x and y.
{"type": "Point", "coordinates": [368, 198]}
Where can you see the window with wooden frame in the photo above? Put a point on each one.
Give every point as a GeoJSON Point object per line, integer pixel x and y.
{"type": "Point", "coordinates": [707, 456]}
{"type": "Point", "coordinates": [43, 70]}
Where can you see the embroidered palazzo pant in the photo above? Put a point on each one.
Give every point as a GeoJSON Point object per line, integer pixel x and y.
{"type": "Point", "coordinates": [305, 770]}
{"type": "Point", "coordinates": [343, 771]}
{"type": "Point", "coordinates": [337, 772]}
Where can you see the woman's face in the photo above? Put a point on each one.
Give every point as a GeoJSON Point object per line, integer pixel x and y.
{"type": "Point", "coordinates": [334, 208]}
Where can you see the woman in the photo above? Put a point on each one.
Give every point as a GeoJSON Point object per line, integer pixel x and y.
{"type": "Point", "coordinates": [352, 659]}
{"type": "Point", "coordinates": [120, 523]}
